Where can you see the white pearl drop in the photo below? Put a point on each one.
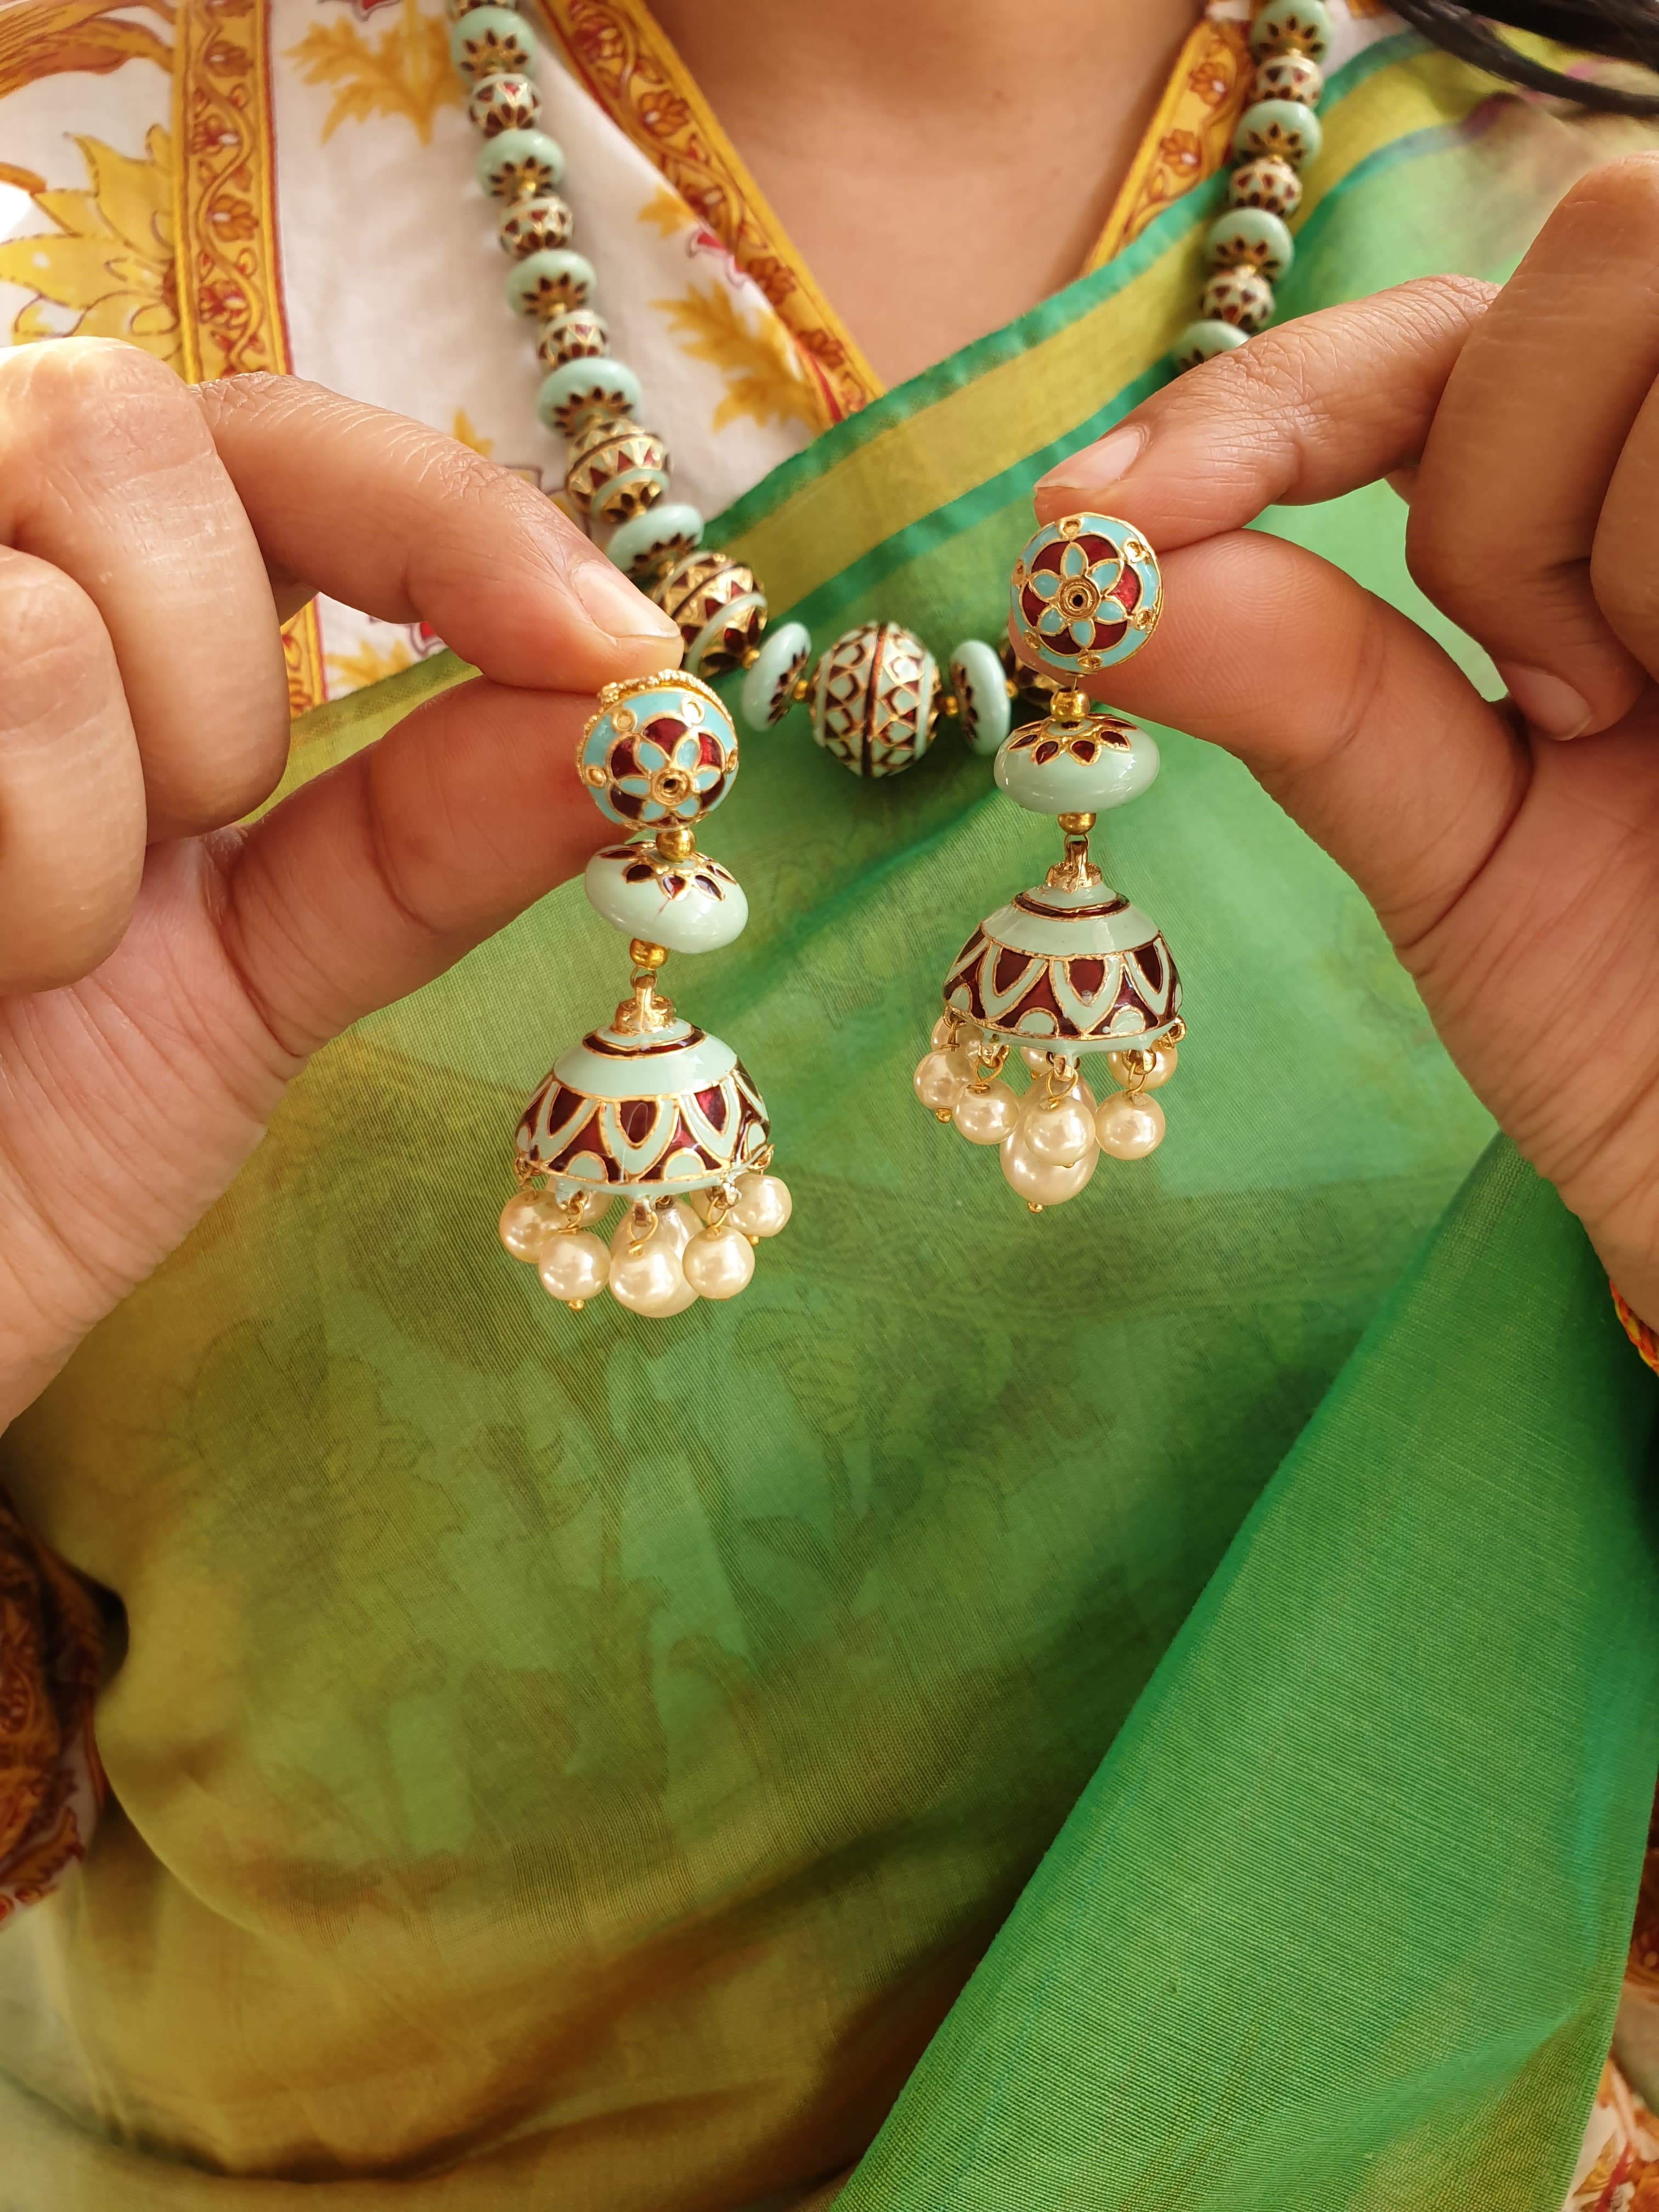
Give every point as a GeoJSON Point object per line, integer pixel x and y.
{"type": "Point", "coordinates": [1128, 1128]}
{"type": "Point", "coordinates": [1041, 1182]}
{"type": "Point", "coordinates": [574, 1265]}
{"type": "Point", "coordinates": [1058, 1134]}
{"type": "Point", "coordinates": [763, 1205]}
{"type": "Point", "coordinates": [529, 1219]}
{"type": "Point", "coordinates": [652, 1281]}
{"type": "Point", "coordinates": [719, 1263]}
{"type": "Point", "coordinates": [1162, 1068]}
{"type": "Point", "coordinates": [985, 1117]}
{"type": "Point", "coordinates": [1036, 1057]}
{"type": "Point", "coordinates": [937, 1082]}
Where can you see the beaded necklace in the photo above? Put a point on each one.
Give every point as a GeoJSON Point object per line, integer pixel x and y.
{"type": "Point", "coordinates": [875, 694]}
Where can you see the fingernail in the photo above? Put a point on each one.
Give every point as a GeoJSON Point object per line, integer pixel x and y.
{"type": "Point", "coordinates": [1096, 466]}
{"type": "Point", "coordinates": [616, 607]}
{"type": "Point", "coordinates": [1551, 708]}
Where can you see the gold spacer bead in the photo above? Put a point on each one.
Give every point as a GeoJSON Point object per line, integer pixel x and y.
{"type": "Point", "coordinates": [943, 1113]}
{"type": "Point", "coordinates": [644, 954]}
{"type": "Point", "coordinates": [677, 843]}
{"type": "Point", "coordinates": [748, 656]}
{"type": "Point", "coordinates": [952, 704]}
{"type": "Point", "coordinates": [1076, 825]}
{"type": "Point", "coordinates": [575, 1304]}
{"type": "Point", "coordinates": [1069, 705]}
{"type": "Point", "coordinates": [754, 1241]}
{"type": "Point", "coordinates": [1031, 1206]}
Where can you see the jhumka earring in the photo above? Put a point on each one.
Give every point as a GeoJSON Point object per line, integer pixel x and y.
{"type": "Point", "coordinates": [1068, 970]}
{"type": "Point", "coordinates": [651, 1110]}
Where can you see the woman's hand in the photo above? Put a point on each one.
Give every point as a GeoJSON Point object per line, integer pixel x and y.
{"type": "Point", "coordinates": [1511, 851]}
{"type": "Point", "coordinates": [163, 975]}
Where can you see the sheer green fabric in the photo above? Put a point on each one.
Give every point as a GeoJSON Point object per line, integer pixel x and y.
{"type": "Point", "coordinates": [561, 1762]}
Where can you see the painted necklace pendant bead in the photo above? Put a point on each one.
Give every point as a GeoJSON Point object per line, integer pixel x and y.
{"type": "Point", "coordinates": [875, 698]}
{"type": "Point", "coordinates": [1068, 975]}
{"type": "Point", "coordinates": [650, 1108]}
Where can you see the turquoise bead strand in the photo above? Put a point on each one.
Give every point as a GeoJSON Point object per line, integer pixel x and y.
{"type": "Point", "coordinates": [1249, 249]}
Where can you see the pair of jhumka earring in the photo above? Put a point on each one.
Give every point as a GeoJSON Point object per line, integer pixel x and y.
{"type": "Point", "coordinates": [651, 1110]}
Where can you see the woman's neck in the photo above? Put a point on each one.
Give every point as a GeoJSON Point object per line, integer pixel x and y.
{"type": "Point", "coordinates": [942, 165]}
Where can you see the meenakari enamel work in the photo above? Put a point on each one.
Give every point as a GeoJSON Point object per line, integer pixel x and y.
{"type": "Point", "coordinates": [650, 1108]}
{"type": "Point", "coordinates": [1068, 973]}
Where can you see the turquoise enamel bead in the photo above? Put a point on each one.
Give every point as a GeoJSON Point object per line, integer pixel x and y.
{"type": "Point", "coordinates": [690, 904]}
{"type": "Point", "coordinates": [983, 703]}
{"type": "Point", "coordinates": [768, 684]}
{"type": "Point", "coordinates": [1292, 26]}
{"type": "Point", "coordinates": [1202, 341]}
{"type": "Point", "coordinates": [1080, 766]}
{"type": "Point", "coordinates": [1268, 184]}
{"type": "Point", "coordinates": [552, 282]}
{"type": "Point", "coordinates": [534, 226]}
{"type": "Point", "coordinates": [579, 387]}
{"type": "Point", "coordinates": [491, 42]}
{"type": "Point", "coordinates": [1237, 295]}
{"type": "Point", "coordinates": [519, 165]}
{"type": "Point", "coordinates": [661, 750]}
{"type": "Point", "coordinates": [1250, 238]}
{"type": "Point", "coordinates": [1085, 593]}
{"type": "Point", "coordinates": [1278, 129]}
{"type": "Point", "coordinates": [673, 527]}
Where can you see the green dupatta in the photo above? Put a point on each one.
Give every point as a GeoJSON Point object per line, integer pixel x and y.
{"type": "Point", "coordinates": [561, 1766]}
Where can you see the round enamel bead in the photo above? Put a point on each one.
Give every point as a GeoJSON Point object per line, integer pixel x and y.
{"type": "Point", "coordinates": [874, 699]}
{"type": "Point", "coordinates": [584, 387]}
{"type": "Point", "coordinates": [1085, 593]}
{"type": "Point", "coordinates": [1290, 76]}
{"type": "Point", "coordinates": [491, 42]}
{"type": "Point", "coordinates": [1250, 238]}
{"type": "Point", "coordinates": [1279, 129]}
{"type": "Point", "coordinates": [580, 335]}
{"type": "Point", "coordinates": [720, 608]}
{"type": "Point", "coordinates": [1202, 342]}
{"type": "Point", "coordinates": [644, 1114]}
{"type": "Point", "coordinates": [1082, 767]}
{"type": "Point", "coordinates": [519, 165]}
{"type": "Point", "coordinates": [1293, 26]}
{"type": "Point", "coordinates": [534, 226]}
{"type": "Point", "coordinates": [769, 685]}
{"type": "Point", "coordinates": [550, 282]}
{"type": "Point", "coordinates": [981, 689]}
{"type": "Point", "coordinates": [1266, 183]}
{"type": "Point", "coordinates": [1237, 295]}
{"type": "Point", "coordinates": [510, 103]}
{"type": "Point", "coordinates": [617, 469]}
{"type": "Point", "coordinates": [661, 750]}
{"type": "Point", "coordinates": [690, 905]}
{"type": "Point", "coordinates": [670, 529]}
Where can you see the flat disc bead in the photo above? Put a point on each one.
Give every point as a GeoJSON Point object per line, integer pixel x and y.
{"type": "Point", "coordinates": [671, 529]}
{"type": "Point", "coordinates": [1290, 76]}
{"type": "Point", "coordinates": [535, 225]}
{"type": "Point", "coordinates": [1266, 183]}
{"type": "Point", "coordinates": [768, 684]}
{"type": "Point", "coordinates": [719, 606]}
{"type": "Point", "coordinates": [491, 42]}
{"type": "Point", "coordinates": [617, 469]}
{"type": "Point", "coordinates": [662, 749]}
{"type": "Point", "coordinates": [581, 387]}
{"type": "Point", "coordinates": [1278, 129]}
{"type": "Point", "coordinates": [510, 103]}
{"type": "Point", "coordinates": [981, 689]}
{"type": "Point", "coordinates": [1085, 593]}
{"type": "Point", "coordinates": [550, 282]}
{"type": "Point", "coordinates": [693, 905]}
{"type": "Point", "coordinates": [1250, 238]}
{"type": "Point", "coordinates": [519, 165]}
{"type": "Point", "coordinates": [1238, 296]}
{"type": "Point", "coordinates": [1201, 341]}
{"type": "Point", "coordinates": [1076, 768]}
{"type": "Point", "coordinates": [580, 335]}
{"type": "Point", "coordinates": [1283, 26]}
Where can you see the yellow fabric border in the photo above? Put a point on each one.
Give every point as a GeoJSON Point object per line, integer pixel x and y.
{"type": "Point", "coordinates": [230, 304]}
{"type": "Point", "coordinates": [629, 64]}
{"type": "Point", "coordinates": [1189, 136]}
